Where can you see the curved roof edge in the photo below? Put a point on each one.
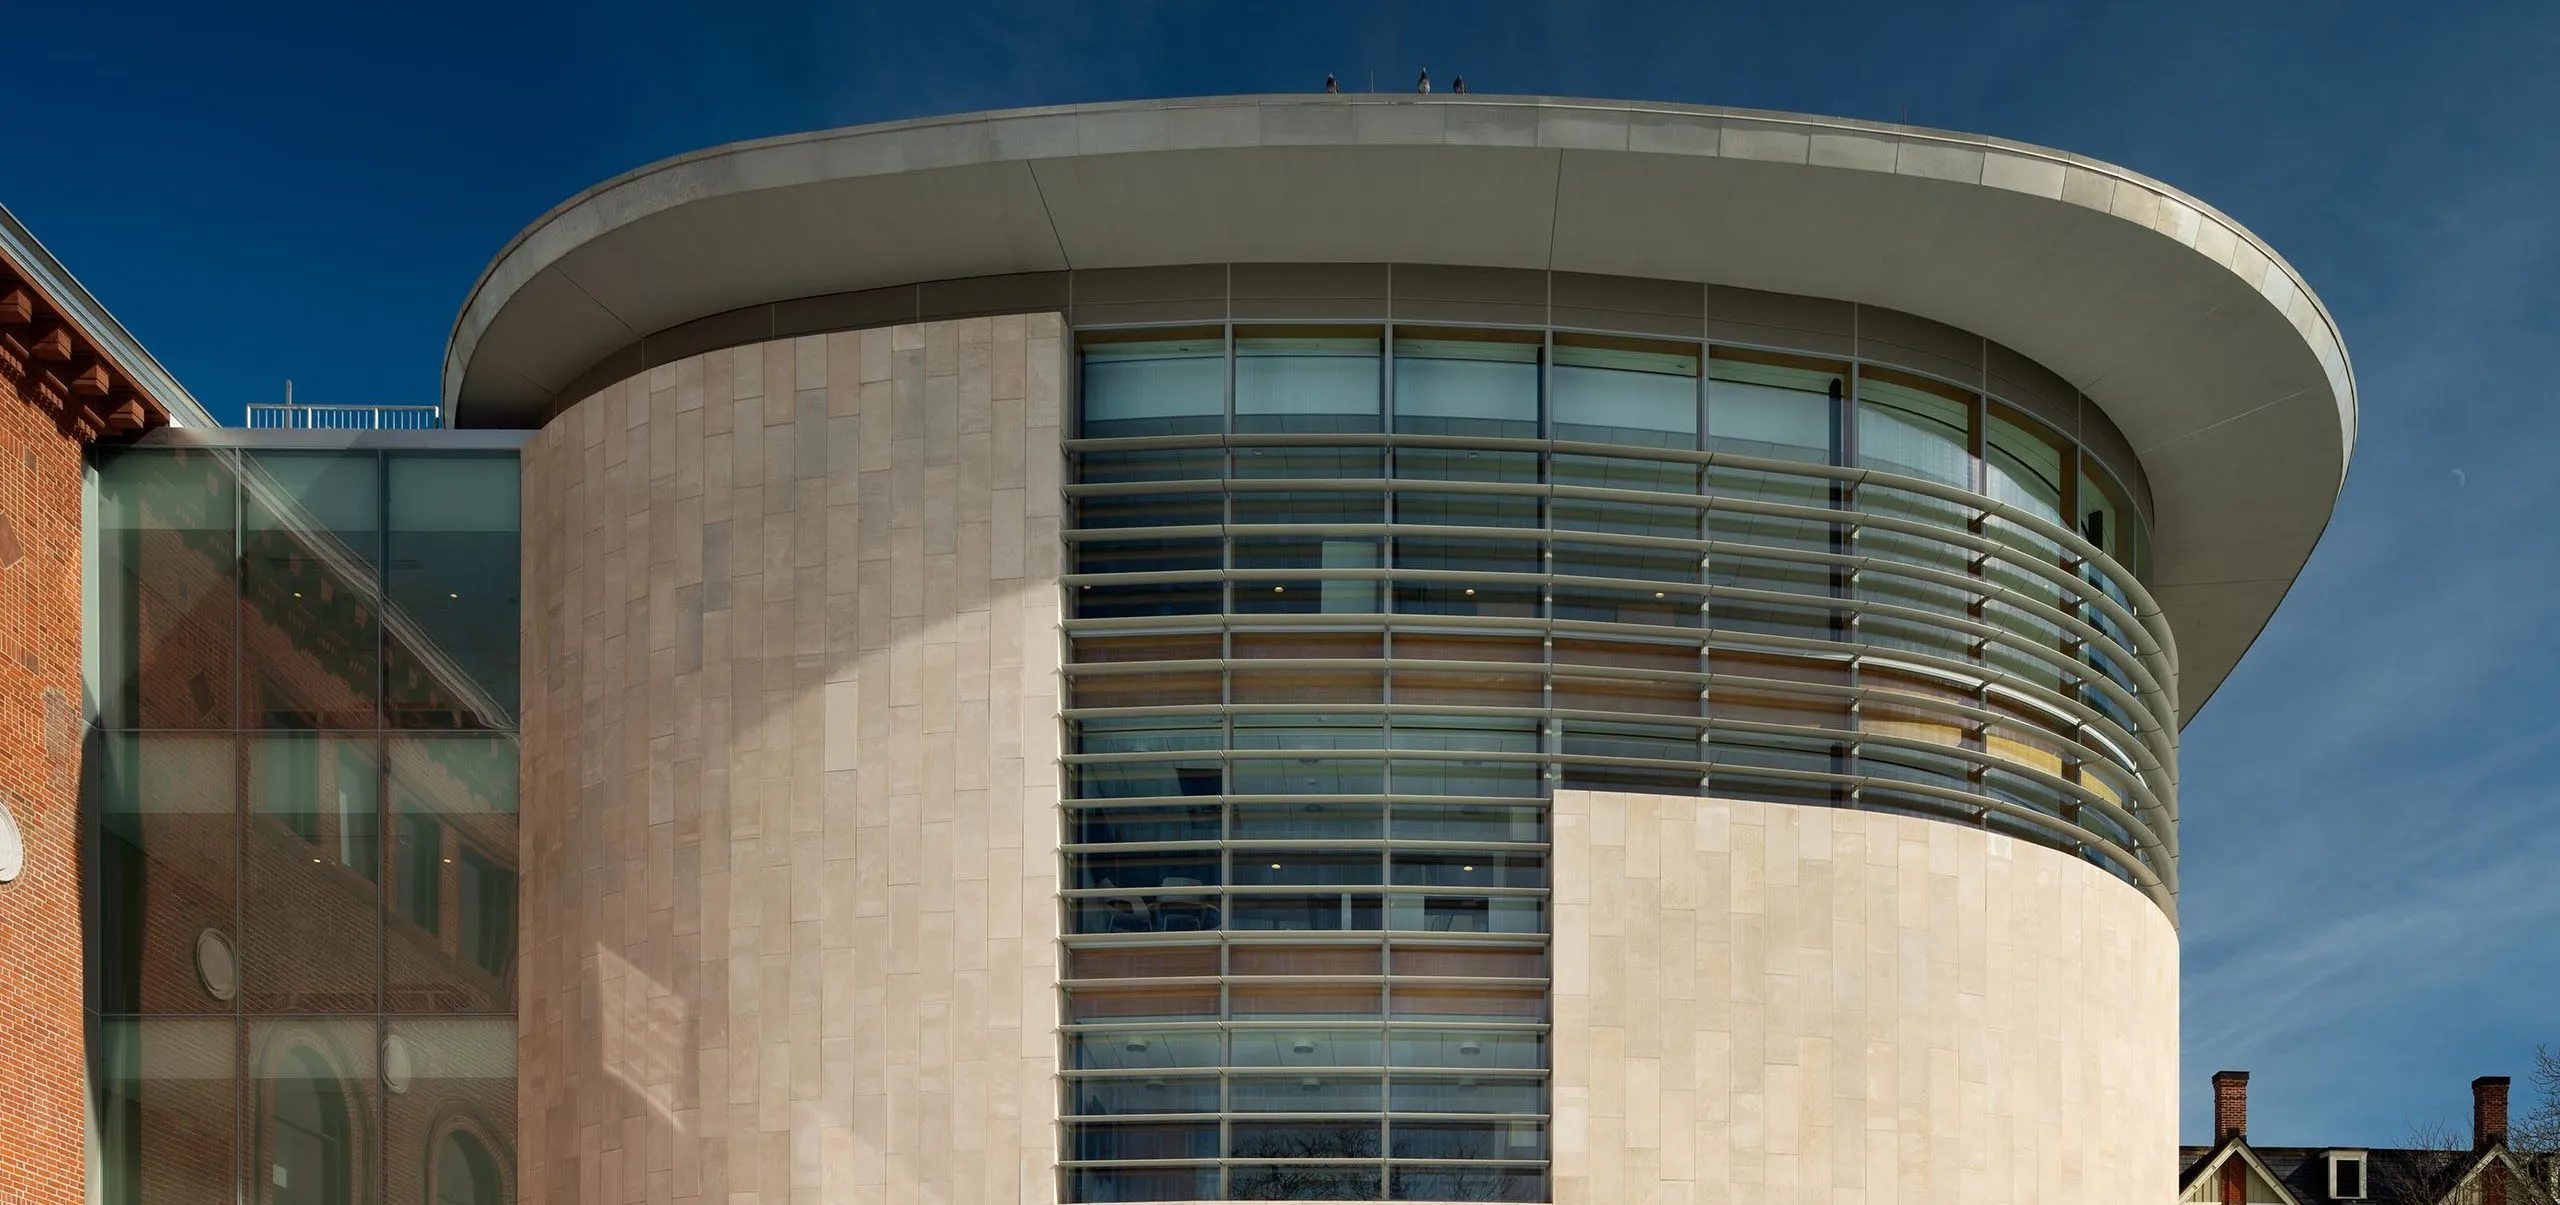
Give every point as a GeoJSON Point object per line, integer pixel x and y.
{"type": "Point", "coordinates": [2203, 345]}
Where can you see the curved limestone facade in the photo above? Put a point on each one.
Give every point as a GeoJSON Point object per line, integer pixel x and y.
{"type": "Point", "coordinates": [1274, 718]}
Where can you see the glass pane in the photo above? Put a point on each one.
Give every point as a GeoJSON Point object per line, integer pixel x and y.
{"type": "Point", "coordinates": [310, 610]}
{"type": "Point", "coordinates": [1306, 1094]}
{"type": "Point", "coordinates": [1306, 381]}
{"type": "Point", "coordinates": [1470, 1140]}
{"type": "Point", "coordinates": [2025, 468]}
{"type": "Point", "coordinates": [1621, 391]}
{"type": "Point", "coordinates": [1153, 386]}
{"type": "Point", "coordinates": [167, 567]}
{"type": "Point", "coordinates": [449, 1130]}
{"type": "Point", "coordinates": [449, 934]}
{"type": "Point", "coordinates": [1914, 428]}
{"type": "Point", "coordinates": [1308, 820]}
{"type": "Point", "coordinates": [454, 582]}
{"type": "Point", "coordinates": [1258, 1001]}
{"type": "Point", "coordinates": [1141, 1003]}
{"type": "Point", "coordinates": [1465, 464]}
{"type": "Point", "coordinates": [1256, 1182]}
{"type": "Point", "coordinates": [1435, 1183]}
{"type": "Point", "coordinates": [312, 1111]}
{"type": "Point", "coordinates": [165, 874]}
{"type": "Point", "coordinates": [310, 924]}
{"type": "Point", "coordinates": [1349, 463]}
{"type": "Point", "coordinates": [1142, 1140]}
{"type": "Point", "coordinates": [1303, 1140]}
{"type": "Point", "coordinates": [1142, 962]}
{"type": "Point", "coordinates": [1297, 1046]}
{"type": "Point", "coordinates": [1155, 1094]}
{"type": "Point", "coordinates": [1467, 1048]}
{"type": "Point", "coordinates": [1294, 867]}
{"type": "Point", "coordinates": [1311, 912]}
{"type": "Point", "coordinates": [1121, 1050]}
{"type": "Point", "coordinates": [1469, 822]}
{"type": "Point", "coordinates": [1776, 407]}
{"type": "Point", "coordinates": [1145, 1183]}
{"type": "Point", "coordinates": [1468, 1094]}
{"type": "Point", "coordinates": [1484, 1002]}
{"type": "Point", "coordinates": [167, 1105]}
{"type": "Point", "coordinates": [1467, 386]}
{"type": "Point", "coordinates": [1171, 464]}
{"type": "Point", "coordinates": [1296, 959]}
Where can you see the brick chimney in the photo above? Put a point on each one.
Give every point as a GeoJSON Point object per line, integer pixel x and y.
{"type": "Point", "coordinates": [2488, 1112]}
{"type": "Point", "coordinates": [2231, 1105]}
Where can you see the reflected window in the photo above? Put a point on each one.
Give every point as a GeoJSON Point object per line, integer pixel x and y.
{"type": "Point", "coordinates": [308, 1142]}
{"type": "Point", "coordinates": [488, 912]}
{"type": "Point", "coordinates": [465, 1174]}
{"type": "Point", "coordinates": [420, 884]}
{"type": "Point", "coordinates": [452, 580]}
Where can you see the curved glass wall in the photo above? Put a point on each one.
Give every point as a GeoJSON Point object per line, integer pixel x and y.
{"type": "Point", "coordinates": [1349, 603]}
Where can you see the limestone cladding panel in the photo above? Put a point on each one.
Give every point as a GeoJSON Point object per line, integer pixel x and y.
{"type": "Point", "coordinates": [1769, 1002]}
{"type": "Point", "coordinates": [790, 775]}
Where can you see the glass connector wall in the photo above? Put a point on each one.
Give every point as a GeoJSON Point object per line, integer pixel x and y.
{"type": "Point", "coordinates": [303, 797]}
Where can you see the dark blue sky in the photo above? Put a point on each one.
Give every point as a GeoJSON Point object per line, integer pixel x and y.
{"type": "Point", "coordinates": [2371, 917]}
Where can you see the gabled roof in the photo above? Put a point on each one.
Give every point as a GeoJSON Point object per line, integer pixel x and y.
{"type": "Point", "coordinates": [2206, 1169]}
{"type": "Point", "coordinates": [2299, 1175]}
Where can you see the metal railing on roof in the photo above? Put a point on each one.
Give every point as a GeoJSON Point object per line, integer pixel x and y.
{"type": "Point", "coordinates": [291, 416]}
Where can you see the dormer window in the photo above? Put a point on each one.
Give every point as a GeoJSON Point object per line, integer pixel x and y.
{"type": "Point", "coordinates": [2346, 1176]}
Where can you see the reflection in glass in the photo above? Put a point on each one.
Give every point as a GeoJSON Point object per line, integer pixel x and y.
{"type": "Point", "coordinates": [289, 892]}
{"type": "Point", "coordinates": [449, 643]}
{"type": "Point", "coordinates": [167, 565]}
{"type": "Point", "coordinates": [166, 867]}
{"type": "Point", "coordinates": [310, 600]}
{"type": "Point", "coordinates": [166, 1101]}
{"type": "Point", "coordinates": [310, 926]}
{"type": "Point", "coordinates": [312, 1083]}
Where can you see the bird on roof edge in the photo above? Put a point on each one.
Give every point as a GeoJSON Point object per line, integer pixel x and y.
{"type": "Point", "coordinates": [1423, 85]}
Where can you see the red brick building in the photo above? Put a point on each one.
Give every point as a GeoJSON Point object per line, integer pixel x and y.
{"type": "Point", "coordinates": [68, 375]}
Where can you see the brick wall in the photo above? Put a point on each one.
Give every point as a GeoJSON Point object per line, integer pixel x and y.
{"type": "Point", "coordinates": [41, 1157]}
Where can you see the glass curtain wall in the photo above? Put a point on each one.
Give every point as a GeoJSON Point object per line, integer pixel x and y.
{"type": "Point", "coordinates": [303, 785]}
{"type": "Point", "coordinates": [1335, 640]}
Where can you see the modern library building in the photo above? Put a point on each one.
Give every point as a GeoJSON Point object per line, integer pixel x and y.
{"type": "Point", "coordinates": [1334, 647]}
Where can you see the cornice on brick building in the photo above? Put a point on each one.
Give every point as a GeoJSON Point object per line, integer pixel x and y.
{"type": "Point", "coordinates": [70, 358]}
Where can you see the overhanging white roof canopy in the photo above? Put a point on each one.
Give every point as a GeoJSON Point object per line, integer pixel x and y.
{"type": "Point", "coordinates": [2206, 350]}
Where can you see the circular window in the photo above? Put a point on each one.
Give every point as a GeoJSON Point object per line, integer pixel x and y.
{"type": "Point", "coordinates": [13, 852]}
{"type": "Point", "coordinates": [216, 968]}
{"type": "Point", "coordinates": [396, 1065]}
